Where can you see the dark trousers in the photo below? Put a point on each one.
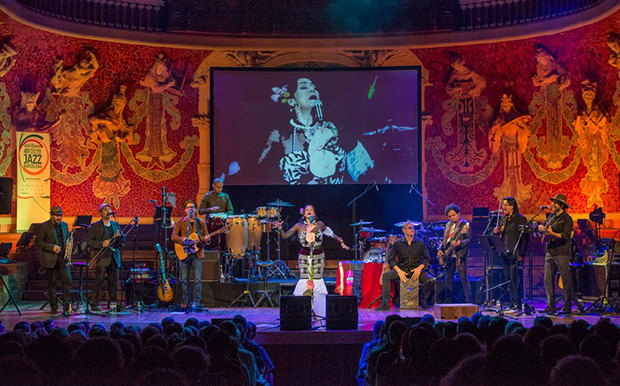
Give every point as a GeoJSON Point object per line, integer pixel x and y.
{"type": "Point", "coordinates": [391, 275]}
{"type": "Point", "coordinates": [552, 264]}
{"type": "Point", "coordinates": [110, 272]}
{"type": "Point", "coordinates": [187, 264]}
{"type": "Point", "coordinates": [462, 271]}
{"type": "Point", "coordinates": [511, 272]}
{"type": "Point", "coordinates": [62, 271]}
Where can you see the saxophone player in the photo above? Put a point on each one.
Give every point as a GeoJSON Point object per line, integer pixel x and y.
{"type": "Point", "coordinates": [51, 237]}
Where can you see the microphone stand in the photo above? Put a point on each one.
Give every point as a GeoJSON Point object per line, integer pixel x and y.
{"type": "Point", "coordinates": [139, 305]}
{"type": "Point", "coordinates": [120, 305]}
{"type": "Point", "coordinates": [353, 205]}
{"type": "Point", "coordinates": [529, 308]}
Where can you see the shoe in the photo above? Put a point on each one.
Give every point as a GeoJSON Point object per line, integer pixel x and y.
{"type": "Point", "coordinates": [565, 312]}
{"type": "Point", "coordinates": [53, 310]}
{"type": "Point", "coordinates": [192, 307]}
{"type": "Point", "coordinates": [65, 313]}
{"type": "Point", "coordinates": [383, 307]}
{"type": "Point", "coordinates": [95, 307]}
{"type": "Point", "coordinates": [549, 310]}
{"type": "Point", "coordinates": [512, 308]}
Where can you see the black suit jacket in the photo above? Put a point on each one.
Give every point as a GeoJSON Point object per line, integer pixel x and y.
{"type": "Point", "coordinates": [96, 237]}
{"type": "Point", "coordinates": [46, 239]}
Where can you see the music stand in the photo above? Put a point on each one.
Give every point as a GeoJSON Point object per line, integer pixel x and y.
{"type": "Point", "coordinates": [82, 221]}
{"type": "Point", "coordinates": [491, 244]}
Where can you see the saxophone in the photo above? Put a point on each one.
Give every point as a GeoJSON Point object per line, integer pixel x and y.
{"type": "Point", "coordinates": [68, 249]}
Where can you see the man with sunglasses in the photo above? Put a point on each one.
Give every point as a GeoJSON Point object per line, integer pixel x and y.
{"type": "Point", "coordinates": [412, 259]}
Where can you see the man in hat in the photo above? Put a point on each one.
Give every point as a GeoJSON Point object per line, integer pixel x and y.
{"type": "Point", "coordinates": [105, 240]}
{"type": "Point", "coordinates": [558, 229]}
{"type": "Point", "coordinates": [51, 237]}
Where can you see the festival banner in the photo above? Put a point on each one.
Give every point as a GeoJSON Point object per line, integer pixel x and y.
{"type": "Point", "coordinates": [33, 179]}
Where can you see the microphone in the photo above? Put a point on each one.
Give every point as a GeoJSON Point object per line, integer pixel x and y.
{"type": "Point", "coordinates": [113, 212]}
{"type": "Point", "coordinates": [376, 186]}
{"type": "Point", "coordinates": [136, 219]}
{"type": "Point", "coordinates": [310, 218]}
{"type": "Point", "coordinates": [319, 111]}
{"type": "Point", "coordinates": [496, 211]}
{"type": "Point", "coordinates": [544, 207]}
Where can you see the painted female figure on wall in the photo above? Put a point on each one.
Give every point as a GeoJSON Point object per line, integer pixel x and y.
{"type": "Point", "coordinates": [592, 129]}
{"type": "Point", "coordinates": [471, 111]}
{"type": "Point", "coordinates": [109, 128]}
{"type": "Point", "coordinates": [510, 132]}
{"type": "Point", "coordinates": [553, 104]}
{"type": "Point", "coordinates": [157, 101]}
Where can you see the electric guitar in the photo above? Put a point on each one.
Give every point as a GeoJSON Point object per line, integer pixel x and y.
{"type": "Point", "coordinates": [184, 250]}
{"type": "Point", "coordinates": [164, 290]}
{"type": "Point", "coordinates": [450, 247]}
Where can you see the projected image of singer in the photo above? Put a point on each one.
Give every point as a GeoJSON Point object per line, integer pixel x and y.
{"type": "Point", "coordinates": [312, 154]}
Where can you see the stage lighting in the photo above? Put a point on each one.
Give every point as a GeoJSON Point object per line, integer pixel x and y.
{"type": "Point", "coordinates": [597, 216]}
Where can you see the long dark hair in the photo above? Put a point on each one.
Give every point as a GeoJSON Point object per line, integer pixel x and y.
{"type": "Point", "coordinates": [512, 202]}
{"type": "Point", "coordinates": [303, 211]}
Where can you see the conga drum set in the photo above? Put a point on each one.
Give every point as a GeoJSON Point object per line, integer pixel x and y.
{"type": "Point", "coordinates": [243, 240]}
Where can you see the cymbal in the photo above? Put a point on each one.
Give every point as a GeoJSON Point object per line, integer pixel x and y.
{"type": "Point", "coordinates": [280, 203]}
{"type": "Point", "coordinates": [371, 230]}
{"type": "Point", "coordinates": [415, 223]}
{"type": "Point", "coordinates": [361, 223]}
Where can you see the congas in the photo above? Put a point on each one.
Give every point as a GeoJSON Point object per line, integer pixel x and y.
{"type": "Point", "coordinates": [379, 242]}
{"type": "Point", "coordinates": [374, 256]}
{"type": "Point", "coordinates": [267, 212]}
{"type": "Point", "coordinates": [216, 221]}
{"type": "Point", "coordinates": [255, 233]}
{"type": "Point", "coordinates": [237, 237]}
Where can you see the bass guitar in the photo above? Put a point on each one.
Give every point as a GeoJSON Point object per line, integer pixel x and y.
{"type": "Point", "coordinates": [450, 247]}
{"type": "Point", "coordinates": [164, 290]}
{"type": "Point", "coordinates": [193, 244]}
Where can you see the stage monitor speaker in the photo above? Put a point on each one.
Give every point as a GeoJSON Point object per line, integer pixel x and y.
{"type": "Point", "coordinates": [6, 195]}
{"type": "Point", "coordinates": [341, 313]}
{"type": "Point", "coordinates": [295, 313]}
{"type": "Point", "coordinates": [211, 266]}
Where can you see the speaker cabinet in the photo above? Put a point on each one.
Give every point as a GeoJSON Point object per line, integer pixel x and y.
{"type": "Point", "coordinates": [6, 195]}
{"type": "Point", "coordinates": [341, 312]}
{"type": "Point", "coordinates": [211, 266]}
{"type": "Point", "coordinates": [295, 313]}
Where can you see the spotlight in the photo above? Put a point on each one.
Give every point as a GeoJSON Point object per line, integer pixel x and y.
{"type": "Point", "coordinates": [597, 216]}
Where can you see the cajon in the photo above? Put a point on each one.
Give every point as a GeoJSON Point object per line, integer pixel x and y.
{"type": "Point", "coordinates": [409, 294]}
{"type": "Point", "coordinates": [454, 311]}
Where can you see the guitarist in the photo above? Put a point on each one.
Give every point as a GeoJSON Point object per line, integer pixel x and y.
{"type": "Point", "coordinates": [185, 227]}
{"type": "Point", "coordinates": [454, 250]}
{"type": "Point", "coordinates": [509, 230]}
{"type": "Point", "coordinates": [106, 235]}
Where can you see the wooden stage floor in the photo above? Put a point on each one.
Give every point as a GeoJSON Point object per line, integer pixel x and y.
{"type": "Point", "coordinates": [266, 319]}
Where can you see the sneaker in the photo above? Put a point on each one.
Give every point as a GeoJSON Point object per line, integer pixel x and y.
{"type": "Point", "coordinates": [383, 307]}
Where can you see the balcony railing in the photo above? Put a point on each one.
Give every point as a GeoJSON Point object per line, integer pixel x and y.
{"type": "Point", "coordinates": [144, 15]}
{"type": "Point", "coordinates": [299, 18]}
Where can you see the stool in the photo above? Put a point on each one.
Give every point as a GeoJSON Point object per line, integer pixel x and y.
{"type": "Point", "coordinates": [410, 294]}
{"type": "Point", "coordinates": [265, 294]}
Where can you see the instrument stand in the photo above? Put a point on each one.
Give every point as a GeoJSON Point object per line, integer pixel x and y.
{"type": "Point", "coordinates": [353, 205]}
{"type": "Point", "coordinates": [280, 267]}
{"type": "Point", "coordinates": [244, 296]}
{"type": "Point", "coordinates": [11, 299]}
{"type": "Point", "coordinates": [491, 244]}
{"type": "Point", "coordinates": [498, 307]}
{"type": "Point", "coordinates": [138, 305]}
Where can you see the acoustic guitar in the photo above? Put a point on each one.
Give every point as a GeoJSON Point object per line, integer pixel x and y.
{"type": "Point", "coordinates": [183, 251]}
{"type": "Point", "coordinates": [164, 290]}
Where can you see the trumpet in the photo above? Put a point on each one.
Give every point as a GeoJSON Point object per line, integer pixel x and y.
{"type": "Point", "coordinates": [69, 249]}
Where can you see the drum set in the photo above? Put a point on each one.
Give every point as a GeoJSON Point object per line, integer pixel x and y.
{"type": "Point", "coordinates": [244, 237]}
{"type": "Point", "coordinates": [372, 245]}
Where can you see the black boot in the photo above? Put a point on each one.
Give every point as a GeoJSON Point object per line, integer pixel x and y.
{"type": "Point", "coordinates": [385, 306]}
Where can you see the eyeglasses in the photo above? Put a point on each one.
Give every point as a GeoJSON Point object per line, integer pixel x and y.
{"type": "Point", "coordinates": [408, 227]}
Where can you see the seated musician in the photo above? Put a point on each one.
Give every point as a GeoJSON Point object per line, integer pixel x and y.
{"type": "Point", "coordinates": [412, 259]}
{"type": "Point", "coordinates": [194, 248]}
